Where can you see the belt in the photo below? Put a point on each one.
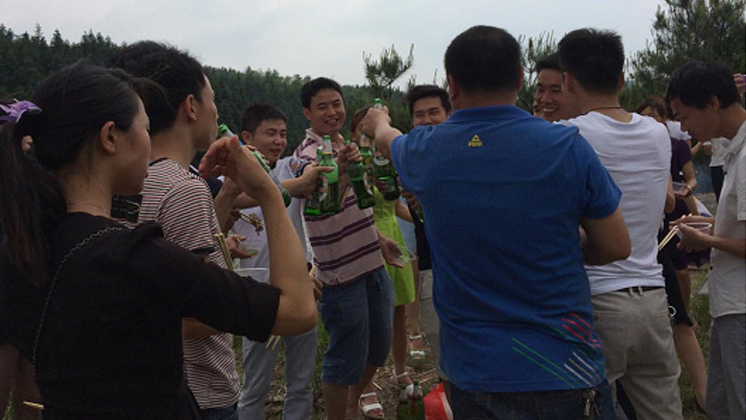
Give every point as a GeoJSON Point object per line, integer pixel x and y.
{"type": "Point", "coordinates": [640, 289]}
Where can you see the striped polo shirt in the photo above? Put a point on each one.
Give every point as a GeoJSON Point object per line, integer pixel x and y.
{"type": "Point", "coordinates": [345, 245]}
{"type": "Point", "coordinates": [181, 203]}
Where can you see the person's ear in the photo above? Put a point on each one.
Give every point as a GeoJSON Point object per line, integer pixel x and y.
{"type": "Point", "coordinates": [620, 84]}
{"type": "Point", "coordinates": [189, 107]}
{"type": "Point", "coordinates": [246, 137]}
{"type": "Point", "coordinates": [107, 137]}
{"type": "Point", "coordinates": [568, 82]}
{"type": "Point", "coordinates": [454, 91]}
{"type": "Point", "coordinates": [307, 113]}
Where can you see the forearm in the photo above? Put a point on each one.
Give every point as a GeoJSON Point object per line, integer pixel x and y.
{"type": "Point", "coordinates": [245, 201]}
{"type": "Point", "coordinates": [735, 247]}
{"type": "Point", "coordinates": [384, 136]}
{"type": "Point", "coordinates": [297, 187]}
{"type": "Point", "coordinates": [224, 203]}
{"type": "Point", "coordinates": [288, 270]}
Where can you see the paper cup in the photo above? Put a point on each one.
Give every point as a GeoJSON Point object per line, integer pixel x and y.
{"type": "Point", "coordinates": [259, 274]}
{"type": "Point", "coordinates": [700, 226]}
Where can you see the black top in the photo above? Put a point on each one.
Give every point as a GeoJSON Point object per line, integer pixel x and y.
{"type": "Point", "coordinates": [423, 247]}
{"type": "Point", "coordinates": [110, 346]}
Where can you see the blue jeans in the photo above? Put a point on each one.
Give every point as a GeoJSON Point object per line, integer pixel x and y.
{"type": "Point", "coordinates": [359, 318]}
{"type": "Point", "coordinates": [541, 405]}
{"type": "Point", "coordinates": [221, 413]}
{"type": "Point", "coordinates": [258, 363]}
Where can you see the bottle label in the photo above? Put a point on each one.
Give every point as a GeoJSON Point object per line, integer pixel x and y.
{"type": "Point", "coordinates": [380, 161]}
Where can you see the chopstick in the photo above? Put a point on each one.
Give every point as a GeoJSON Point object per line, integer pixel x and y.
{"type": "Point", "coordinates": [668, 237]}
{"type": "Point", "coordinates": [224, 250]}
{"type": "Point", "coordinates": [272, 342]}
{"type": "Point", "coordinates": [34, 405]}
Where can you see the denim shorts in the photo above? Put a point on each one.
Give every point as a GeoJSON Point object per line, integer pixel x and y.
{"type": "Point", "coordinates": [358, 317]}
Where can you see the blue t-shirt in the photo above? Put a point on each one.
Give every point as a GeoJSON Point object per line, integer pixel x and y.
{"type": "Point", "coordinates": [503, 194]}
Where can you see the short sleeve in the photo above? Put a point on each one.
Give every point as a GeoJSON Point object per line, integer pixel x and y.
{"type": "Point", "coordinates": [184, 285]}
{"type": "Point", "coordinates": [187, 215]}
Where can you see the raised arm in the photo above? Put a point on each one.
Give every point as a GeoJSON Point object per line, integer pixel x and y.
{"type": "Point", "coordinates": [287, 264]}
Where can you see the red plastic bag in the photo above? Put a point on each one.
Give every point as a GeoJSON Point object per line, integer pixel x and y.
{"type": "Point", "coordinates": [436, 405]}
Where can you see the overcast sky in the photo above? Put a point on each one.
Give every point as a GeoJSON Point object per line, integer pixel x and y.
{"type": "Point", "coordinates": [323, 37]}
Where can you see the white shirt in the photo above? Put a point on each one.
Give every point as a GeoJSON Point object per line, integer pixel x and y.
{"type": "Point", "coordinates": [637, 155]}
{"type": "Point", "coordinates": [718, 152]}
{"type": "Point", "coordinates": [258, 240]}
{"type": "Point", "coordinates": [675, 131]}
{"type": "Point", "coordinates": [727, 284]}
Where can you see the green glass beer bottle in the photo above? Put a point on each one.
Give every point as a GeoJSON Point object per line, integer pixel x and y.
{"type": "Point", "coordinates": [313, 206]}
{"type": "Point", "coordinates": [329, 198]}
{"type": "Point", "coordinates": [417, 403]}
{"type": "Point", "coordinates": [224, 131]}
{"type": "Point", "coordinates": [384, 172]}
{"type": "Point", "coordinates": [358, 175]}
{"type": "Point", "coordinates": [403, 408]}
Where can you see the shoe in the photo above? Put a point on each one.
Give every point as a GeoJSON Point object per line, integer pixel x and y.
{"type": "Point", "coordinates": [405, 392]}
{"type": "Point", "coordinates": [376, 408]}
{"type": "Point", "coordinates": [416, 354]}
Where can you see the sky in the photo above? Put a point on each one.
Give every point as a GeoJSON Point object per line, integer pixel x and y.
{"type": "Point", "coordinates": [324, 37]}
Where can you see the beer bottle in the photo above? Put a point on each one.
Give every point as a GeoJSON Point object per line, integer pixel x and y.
{"type": "Point", "coordinates": [329, 198]}
{"type": "Point", "coordinates": [358, 175]}
{"type": "Point", "coordinates": [224, 131]}
{"type": "Point", "coordinates": [417, 403]}
{"type": "Point", "coordinates": [384, 173]}
{"type": "Point", "coordinates": [313, 206]}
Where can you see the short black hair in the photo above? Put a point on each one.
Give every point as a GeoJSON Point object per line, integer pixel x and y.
{"type": "Point", "coordinates": [695, 83]}
{"type": "Point", "coordinates": [594, 58]}
{"type": "Point", "coordinates": [178, 73]}
{"type": "Point", "coordinates": [484, 59]}
{"type": "Point", "coordinates": [310, 89]}
{"type": "Point", "coordinates": [426, 91]}
{"type": "Point", "coordinates": [550, 62]}
{"type": "Point", "coordinates": [255, 114]}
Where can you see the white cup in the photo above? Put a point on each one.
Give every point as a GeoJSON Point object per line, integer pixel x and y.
{"type": "Point", "coordinates": [259, 274]}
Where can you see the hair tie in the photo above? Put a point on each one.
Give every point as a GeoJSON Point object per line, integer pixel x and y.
{"type": "Point", "coordinates": [15, 111]}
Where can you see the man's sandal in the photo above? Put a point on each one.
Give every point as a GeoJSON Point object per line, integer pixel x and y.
{"type": "Point", "coordinates": [405, 392]}
{"type": "Point", "coordinates": [417, 354]}
{"type": "Point", "coordinates": [367, 408]}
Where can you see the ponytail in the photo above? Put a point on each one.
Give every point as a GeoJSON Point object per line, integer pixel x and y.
{"type": "Point", "coordinates": [30, 200]}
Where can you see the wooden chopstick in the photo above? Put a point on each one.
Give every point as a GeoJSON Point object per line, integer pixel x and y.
{"type": "Point", "coordinates": [34, 405]}
{"type": "Point", "coordinates": [224, 249]}
{"type": "Point", "coordinates": [668, 237]}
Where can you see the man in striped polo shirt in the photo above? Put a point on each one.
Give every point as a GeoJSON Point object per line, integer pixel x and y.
{"type": "Point", "coordinates": [183, 122]}
{"type": "Point", "coordinates": [357, 305]}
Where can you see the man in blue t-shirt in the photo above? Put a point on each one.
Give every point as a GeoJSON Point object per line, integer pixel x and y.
{"type": "Point", "coordinates": [505, 194]}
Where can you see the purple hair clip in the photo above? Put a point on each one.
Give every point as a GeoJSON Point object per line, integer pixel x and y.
{"type": "Point", "coordinates": [15, 111]}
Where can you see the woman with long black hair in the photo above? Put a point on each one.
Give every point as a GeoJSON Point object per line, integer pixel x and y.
{"type": "Point", "coordinates": [95, 306]}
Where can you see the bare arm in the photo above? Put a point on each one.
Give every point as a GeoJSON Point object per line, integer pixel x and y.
{"type": "Point", "coordinates": [670, 198]}
{"type": "Point", "coordinates": [605, 240]}
{"type": "Point", "coordinates": [296, 312]}
{"type": "Point", "coordinates": [377, 124]}
{"type": "Point", "coordinates": [403, 212]}
{"type": "Point", "coordinates": [695, 240]}
{"type": "Point", "coordinates": [224, 202]}
{"type": "Point", "coordinates": [691, 183]}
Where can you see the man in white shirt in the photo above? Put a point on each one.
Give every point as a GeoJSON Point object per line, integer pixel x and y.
{"type": "Point", "coordinates": [628, 296]}
{"type": "Point", "coordinates": [265, 127]}
{"type": "Point", "coordinates": [704, 98]}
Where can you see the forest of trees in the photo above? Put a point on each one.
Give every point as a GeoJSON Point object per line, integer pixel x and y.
{"type": "Point", "coordinates": [709, 30]}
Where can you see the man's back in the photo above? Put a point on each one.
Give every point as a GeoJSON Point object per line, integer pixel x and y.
{"type": "Point", "coordinates": [504, 194]}
{"type": "Point", "coordinates": [181, 203]}
{"type": "Point", "coordinates": [637, 154]}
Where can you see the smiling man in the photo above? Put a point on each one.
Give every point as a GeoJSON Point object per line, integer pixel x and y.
{"type": "Point", "coordinates": [705, 99]}
{"type": "Point", "coordinates": [548, 94]}
{"type": "Point", "coordinates": [357, 305]}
